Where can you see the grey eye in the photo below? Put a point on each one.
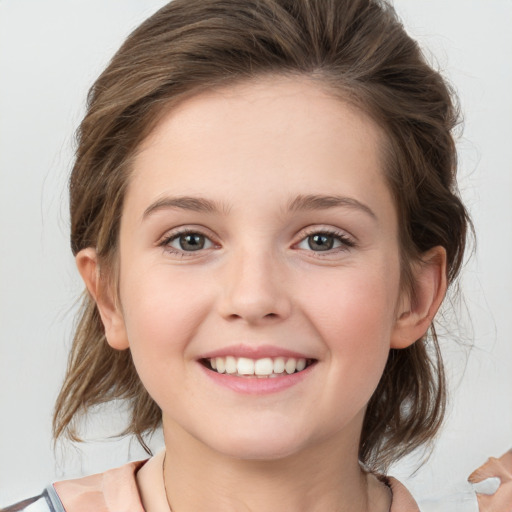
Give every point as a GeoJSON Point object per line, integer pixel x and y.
{"type": "Point", "coordinates": [189, 242]}
{"type": "Point", "coordinates": [321, 242]}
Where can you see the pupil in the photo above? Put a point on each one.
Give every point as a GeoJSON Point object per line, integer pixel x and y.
{"type": "Point", "coordinates": [320, 242]}
{"type": "Point", "coordinates": [192, 242]}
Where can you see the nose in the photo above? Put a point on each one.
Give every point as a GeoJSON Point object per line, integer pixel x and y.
{"type": "Point", "coordinates": [254, 289]}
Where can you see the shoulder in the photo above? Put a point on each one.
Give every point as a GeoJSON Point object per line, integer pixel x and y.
{"type": "Point", "coordinates": [47, 501]}
{"type": "Point", "coordinates": [402, 500]}
{"type": "Point", "coordinates": [114, 490]}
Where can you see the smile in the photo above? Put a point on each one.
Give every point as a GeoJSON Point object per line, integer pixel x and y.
{"type": "Point", "coordinates": [266, 367]}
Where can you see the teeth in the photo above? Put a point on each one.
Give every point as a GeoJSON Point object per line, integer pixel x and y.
{"type": "Point", "coordinates": [279, 364]}
{"type": "Point", "coordinates": [265, 367]}
{"type": "Point", "coordinates": [245, 366]}
{"type": "Point", "coordinates": [231, 366]}
{"type": "Point", "coordinates": [290, 365]}
{"type": "Point", "coordinates": [221, 364]}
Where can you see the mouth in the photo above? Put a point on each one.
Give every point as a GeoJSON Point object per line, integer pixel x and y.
{"type": "Point", "coordinates": [264, 368]}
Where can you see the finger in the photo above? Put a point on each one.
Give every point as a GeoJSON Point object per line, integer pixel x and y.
{"type": "Point", "coordinates": [492, 468]}
{"type": "Point", "coordinates": [506, 460]}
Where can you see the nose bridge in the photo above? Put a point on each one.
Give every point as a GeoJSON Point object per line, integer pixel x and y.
{"type": "Point", "coordinates": [254, 288]}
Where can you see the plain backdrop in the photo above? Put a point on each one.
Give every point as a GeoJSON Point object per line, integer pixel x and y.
{"type": "Point", "coordinates": [50, 53]}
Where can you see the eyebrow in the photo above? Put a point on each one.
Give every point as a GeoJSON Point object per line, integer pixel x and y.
{"type": "Point", "coordinates": [299, 203]}
{"type": "Point", "coordinates": [194, 204]}
{"type": "Point", "coordinates": [321, 202]}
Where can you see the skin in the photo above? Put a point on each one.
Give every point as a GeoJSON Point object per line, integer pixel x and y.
{"type": "Point", "coordinates": [252, 150]}
{"type": "Point", "coordinates": [501, 500]}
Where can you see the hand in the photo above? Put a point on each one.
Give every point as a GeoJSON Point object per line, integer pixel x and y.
{"type": "Point", "coordinates": [501, 500]}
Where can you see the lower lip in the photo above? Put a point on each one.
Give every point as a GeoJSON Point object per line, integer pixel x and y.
{"type": "Point", "coordinates": [255, 385]}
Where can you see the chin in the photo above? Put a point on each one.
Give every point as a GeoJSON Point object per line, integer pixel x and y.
{"type": "Point", "coordinates": [261, 446]}
{"type": "Point", "coordinates": [259, 453]}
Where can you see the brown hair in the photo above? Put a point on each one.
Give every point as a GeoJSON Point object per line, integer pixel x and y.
{"type": "Point", "coordinates": [358, 49]}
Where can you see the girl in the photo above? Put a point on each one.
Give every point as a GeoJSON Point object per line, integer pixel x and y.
{"type": "Point", "coordinates": [264, 212]}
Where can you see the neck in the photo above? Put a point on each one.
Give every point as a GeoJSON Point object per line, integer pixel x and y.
{"type": "Point", "coordinates": [326, 477]}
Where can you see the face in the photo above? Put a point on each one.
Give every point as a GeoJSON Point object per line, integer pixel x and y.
{"type": "Point", "coordinates": [259, 268]}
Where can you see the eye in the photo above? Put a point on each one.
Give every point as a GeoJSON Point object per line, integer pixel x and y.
{"type": "Point", "coordinates": [323, 241]}
{"type": "Point", "coordinates": [188, 242]}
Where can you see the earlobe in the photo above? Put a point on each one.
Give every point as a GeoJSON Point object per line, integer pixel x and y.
{"type": "Point", "coordinates": [101, 292]}
{"type": "Point", "coordinates": [417, 312]}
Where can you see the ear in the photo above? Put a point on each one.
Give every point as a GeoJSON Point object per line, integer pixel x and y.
{"type": "Point", "coordinates": [418, 309]}
{"type": "Point", "coordinates": [105, 298]}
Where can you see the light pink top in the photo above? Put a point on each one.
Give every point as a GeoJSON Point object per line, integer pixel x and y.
{"type": "Point", "coordinates": [116, 491]}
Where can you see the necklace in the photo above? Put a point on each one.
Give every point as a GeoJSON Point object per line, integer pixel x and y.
{"type": "Point", "coordinates": [165, 487]}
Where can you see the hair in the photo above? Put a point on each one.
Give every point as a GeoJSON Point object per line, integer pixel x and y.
{"type": "Point", "coordinates": [357, 49]}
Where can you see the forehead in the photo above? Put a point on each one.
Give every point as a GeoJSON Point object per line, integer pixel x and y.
{"type": "Point", "coordinates": [269, 133]}
{"type": "Point", "coordinates": [265, 107]}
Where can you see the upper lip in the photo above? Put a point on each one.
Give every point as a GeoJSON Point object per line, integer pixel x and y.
{"type": "Point", "coordinates": [254, 352]}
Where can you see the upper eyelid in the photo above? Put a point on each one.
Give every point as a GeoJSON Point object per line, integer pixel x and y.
{"type": "Point", "coordinates": [173, 233]}
{"type": "Point", "coordinates": [346, 240]}
{"type": "Point", "coordinates": [164, 243]}
{"type": "Point", "coordinates": [312, 230]}
{"type": "Point", "coordinates": [303, 233]}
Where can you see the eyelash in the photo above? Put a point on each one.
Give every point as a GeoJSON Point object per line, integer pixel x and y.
{"type": "Point", "coordinates": [166, 241]}
{"type": "Point", "coordinates": [346, 242]}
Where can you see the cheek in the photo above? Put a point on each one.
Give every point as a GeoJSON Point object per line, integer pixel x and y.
{"type": "Point", "coordinates": [162, 315]}
{"type": "Point", "coordinates": [162, 311]}
{"type": "Point", "coordinates": [359, 300]}
{"type": "Point", "coordinates": [355, 316]}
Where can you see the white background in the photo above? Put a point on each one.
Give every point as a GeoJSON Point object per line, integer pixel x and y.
{"type": "Point", "coordinates": [50, 53]}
